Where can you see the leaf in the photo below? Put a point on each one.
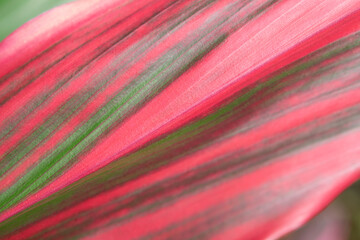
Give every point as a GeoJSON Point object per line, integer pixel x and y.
{"type": "Point", "coordinates": [178, 119]}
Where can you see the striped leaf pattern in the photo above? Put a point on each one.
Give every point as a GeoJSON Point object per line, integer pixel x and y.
{"type": "Point", "coordinates": [159, 119]}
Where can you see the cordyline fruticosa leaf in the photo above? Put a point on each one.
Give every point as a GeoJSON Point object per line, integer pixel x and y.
{"type": "Point", "coordinates": [158, 119]}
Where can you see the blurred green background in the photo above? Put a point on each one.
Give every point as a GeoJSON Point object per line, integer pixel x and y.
{"type": "Point", "coordinates": [14, 13]}
{"type": "Point", "coordinates": [340, 221]}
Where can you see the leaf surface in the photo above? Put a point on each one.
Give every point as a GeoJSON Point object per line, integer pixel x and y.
{"type": "Point", "coordinates": [178, 119]}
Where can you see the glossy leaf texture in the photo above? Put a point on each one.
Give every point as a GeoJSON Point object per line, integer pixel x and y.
{"type": "Point", "coordinates": [162, 119]}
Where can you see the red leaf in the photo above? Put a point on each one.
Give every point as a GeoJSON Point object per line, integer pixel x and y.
{"type": "Point", "coordinates": [178, 119]}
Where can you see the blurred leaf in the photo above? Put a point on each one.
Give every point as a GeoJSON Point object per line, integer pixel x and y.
{"type": "Point", "coordinates": [178, 119]}
{"type": "Point", "coordinates": [340, 220]}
